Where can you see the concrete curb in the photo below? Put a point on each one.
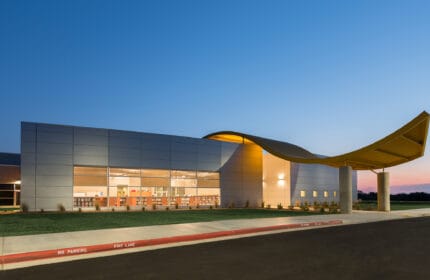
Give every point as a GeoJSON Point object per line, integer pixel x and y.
{"type": "Point", "coordinates": [72, 251]}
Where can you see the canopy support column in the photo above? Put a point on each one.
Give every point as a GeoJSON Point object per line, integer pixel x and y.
{"type": "Point", "coordinates": [383, 191]}
{"type": "Point", "coordinates": [345, 189]}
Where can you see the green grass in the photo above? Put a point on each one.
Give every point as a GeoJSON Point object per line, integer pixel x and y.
{"type": "Point", "coordinates": [37, 223]}
{"type": "Point", "coordinates": [396, 205]}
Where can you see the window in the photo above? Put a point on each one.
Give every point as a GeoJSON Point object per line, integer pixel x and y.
{"type": "Point", "coordinates": [334, 194]}
{"type": "Point", "coordinates": [302, 193]}
{"type": "Point", "coordinates": [315, 194]}
{"type": "Point", "coordinates": [113, 187]}
{"type": "Point", "coordinates": [325, 193]}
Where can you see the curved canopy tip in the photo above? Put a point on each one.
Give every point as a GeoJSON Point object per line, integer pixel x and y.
{"type": "Point", "coordinates": [405, 144]}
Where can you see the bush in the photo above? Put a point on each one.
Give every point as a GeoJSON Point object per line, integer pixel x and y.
{"type": "Point", "coordinates": [268, 206]}
{"type": "Point", "coordinates": [280, 206]}
{"type": "Point", "coordinates": [143, 208]}
{"type": "Point", "coordinates": [42, 210]}
{"type": "Point", "coordinates": [210, 207]}
{"type": "Point", "coordinates": [113, 209]}
{"type": "Point", "coordinates": [24, 208]}
{"type": "Point", "coordinates": [176, 205]}
{"type": "Point", "coordinates": [79, 209]}
{"type": "Point", "coordinates": [167, 208]}
{"type": "Point", "coordinates": [189, 207]}
{"type": "Point", "coordinates": [322, 210]}
{"type": "Point", "coordinates": [97, 207]}
{"type": "Point", "coordinates": [262, 204]}
{"type": "Point", "coordinates": [246, 203]}
{"type": "Point", "coordinates": [128, 208]}
{"type": "Point", "coordinates": [290, 207]}
{"type": "Point", "coordinates": [61, 208]}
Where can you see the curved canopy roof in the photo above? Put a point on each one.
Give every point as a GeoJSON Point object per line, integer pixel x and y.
{"type": "Point", "coordinates": [403, 145]}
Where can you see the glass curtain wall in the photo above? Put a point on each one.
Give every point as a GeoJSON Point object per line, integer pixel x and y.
{"type": "Point", "coordinates": [90, 186]}
{"type": "Point", "coordinates": [115, 187]}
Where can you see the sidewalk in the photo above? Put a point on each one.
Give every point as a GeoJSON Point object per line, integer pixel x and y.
{"type": "Point", "coordinates": [22, 251]}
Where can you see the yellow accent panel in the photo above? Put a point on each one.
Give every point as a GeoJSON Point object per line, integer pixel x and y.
{"type": "Point", "coordinates": [405, 144]}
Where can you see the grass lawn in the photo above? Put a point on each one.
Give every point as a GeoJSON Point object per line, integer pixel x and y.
{"type": "Point", "coordinates": [37, 223]}
{"type": "Point", "coordinates": [396, 205]}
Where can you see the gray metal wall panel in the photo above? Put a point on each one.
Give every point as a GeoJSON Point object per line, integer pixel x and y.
{"type": "Point", "coordinates": [155, 154]}
{"type": "Point", "coordinates": [183, 156]}
{"type": "Point", "coordinates": [51, 148]}
{"type": "Point", "coordinates": [54, 181]}
{"type": "Point", "coordinates": [239, 184]}
{"type": "Point", "coordinates": [313, 177]}
{"type": "Point", "coordinates": [91, 140]}
{"type": "Point", "coordinates": [98, 151]}
{"type": "Point", "coordinates": [47, 192]}
{"type": "Point", "coordinates": [184, 165]}
{"type": "Point", "coordinates": [90, 160]}
{"type": "Point", "coordinates": [28, 170]}
{"type": "Point", "coordinates": [28, 147]}
{"type": "Point", "coordinates": [28, 158]}
{"type": "Point", "coordinates": [49, 137]}
{"type": "Point", "coordinates": [208, 166]}
{"type": "Point", "coordinates": [124, 139]}
{"type": "Point", "coordinates": [54, 159]}
{"type": "Point", "coordinates": [156, 164]}
{"type": "Point", "coordinates": [187, 147]}
{"type": "Point", "coordinates": [125, 161]}
{"type": "Point", "coordinates": [53, 128]}
{"type": "Point", "coordinates": [54, 170]}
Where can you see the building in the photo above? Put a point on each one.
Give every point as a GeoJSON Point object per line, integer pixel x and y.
{"type": "Point", "coordinates": [10, 180]}
{"type": "Point", "coordinates": [80, 167]}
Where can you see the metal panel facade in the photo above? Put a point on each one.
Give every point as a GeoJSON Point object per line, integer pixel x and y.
{"type": "Point", "coordinates": [49, 153]}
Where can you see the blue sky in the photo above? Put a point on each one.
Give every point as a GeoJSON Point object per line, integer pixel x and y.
{"type": "Point", "coordinates": [330, 76]}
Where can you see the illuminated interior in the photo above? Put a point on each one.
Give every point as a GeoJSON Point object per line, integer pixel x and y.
{"type": "Point", "coordinates": [10, 186]}
{"type": "Point", "coordinates": [116, 187]}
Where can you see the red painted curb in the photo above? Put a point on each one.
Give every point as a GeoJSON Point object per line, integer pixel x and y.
{"type": "Point", "coordinates": [37, 255]}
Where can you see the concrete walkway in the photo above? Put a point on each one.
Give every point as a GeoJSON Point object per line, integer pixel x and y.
{"type": "Point", "coordinates": [22, 251]}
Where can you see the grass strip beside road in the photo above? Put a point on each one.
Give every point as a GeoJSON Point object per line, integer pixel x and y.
{"type": "Point", "coordinates": [38, 223]}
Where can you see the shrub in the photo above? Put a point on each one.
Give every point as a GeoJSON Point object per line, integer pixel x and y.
{"type": "Point", "coordinates": [210, 207]}
{"type": "Point", "coordinates": [24, 208]}
{"type": "Point", "coordinates": [290, 207]}
{"type": "Point", "coordinates": [143, 208]}
{"type": "Point", "coordinates": [322, 210]}
{"type": "Point", "coordinates": [268, 206]}
{"type": "Point", "coordinates": [97, 207]}
{"type": "Point", "coordinates": [61, 208]}
{"type": "Point", "coordinates": [246, 203]}
{"type": "Point", "coordinates": [113, 209]}
{"type": "Point", "coordinates": [176, 205]}
{"type": "Point", "coordinates": [42, 210]}
{"type": "Point", "coordinates": [189, 207]}
{"type": "Point", "coordinates": [280, 206]}
{"type": "Point", "coordinates": [128, 208]}
{"type": "Point", "coordinates": [262, 204]}
{"type": "Point", "coordinates": [167, 208]}
{"type": "Point", "coordinates": [79, 209]}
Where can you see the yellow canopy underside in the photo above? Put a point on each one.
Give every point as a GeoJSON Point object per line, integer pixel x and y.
{"type": "Point", "coordinates": [403, 145]}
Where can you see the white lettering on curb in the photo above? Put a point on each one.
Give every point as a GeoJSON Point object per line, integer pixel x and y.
{"type": "Point", "coordinates": [124, 245]}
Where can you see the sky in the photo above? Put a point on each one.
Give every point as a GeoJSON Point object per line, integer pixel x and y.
{"type": "Point", "coordinates": [330, 76]}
